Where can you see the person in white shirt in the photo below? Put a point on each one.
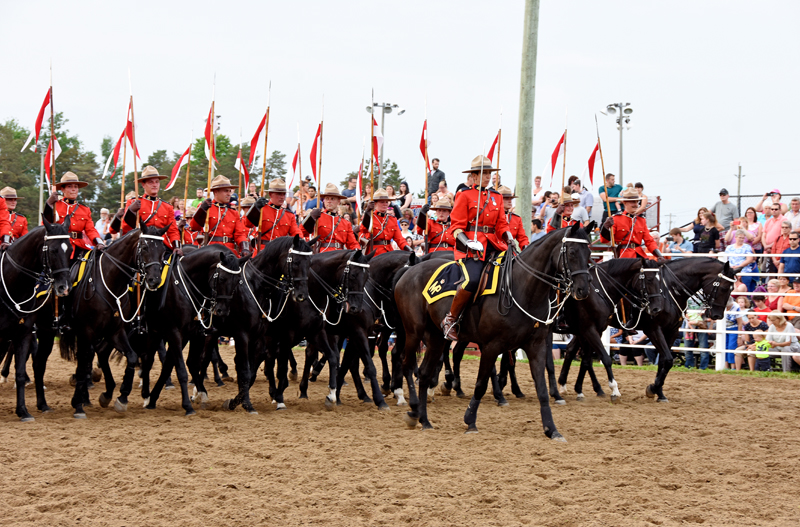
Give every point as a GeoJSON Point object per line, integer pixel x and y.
{"type": "Point", "coordinates": [103, 223]}
{"type": "Point", "coordinates": [587, 199]}
{"type": "Point", "coordinates": [538, 191]}
{"type": "Point", "coordinates": [793, 215]}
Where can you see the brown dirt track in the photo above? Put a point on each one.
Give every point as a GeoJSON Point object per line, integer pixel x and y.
{"type": "Point", "coordinates": [724, 451]}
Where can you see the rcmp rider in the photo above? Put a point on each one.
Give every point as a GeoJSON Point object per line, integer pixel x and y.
{"type": "Point", "coordinates": [439, 236]}
{"type": "Point", "coordinates": [19, 223]}
{"type": "Point", "coordinates": [333, 232]}
{"type": "Point", "coordinates": [563, 215]}
{"type": "Point", "coordinates": [56, 211]}
{"type": "Point", "coordinates": [514, 220]}
{"type": "Point", "coordinates": [630, 231]}
{"type": "Point", "coordinates": [276, 219]}
{"type": "Point", "coordinates": [378, 228]}
{"type": "Point", "coordinates": [478, 223]}
{"type": "Point", "coordinates": [224, 225]}
{"type": "Point", "coordinates": [152, 211]}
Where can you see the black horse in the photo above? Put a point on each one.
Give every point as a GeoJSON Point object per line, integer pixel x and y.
{"type": "Point", "coordinates": [276, 276]}
{"type": "Point", "coordinates": [32, 270]}
{"type": "Point", "coordinates": [623, 285]}
{"type": "Point", "coordinates": [101, 305]}
{"type": "Point", "coordinates": [533, 286]}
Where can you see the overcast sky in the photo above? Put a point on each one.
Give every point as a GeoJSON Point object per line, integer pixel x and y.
{"type": "Point", "coordinates": [712, 84]}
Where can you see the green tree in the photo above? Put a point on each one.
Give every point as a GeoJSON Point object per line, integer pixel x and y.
{"type": "Point", "coordinates": [20, 170]}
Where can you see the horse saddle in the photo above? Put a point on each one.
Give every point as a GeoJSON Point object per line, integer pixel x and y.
{"type": "Point", "coordinates": [446, 279]}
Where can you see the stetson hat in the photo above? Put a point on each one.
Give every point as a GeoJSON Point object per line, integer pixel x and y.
{"type": "Point", "coordinates": [332, 191]}
{"type": "Point", "coordinates": [277, 185]}
{"type": "Point", "coordinates": [381, 195]}
{"type": "Point", "coordinates": [481, 164]}
{"type": "Point", "coordinates": [221, 183]}
{"type": "Point", "coordinates": [247, 201]}
{"type": "Point", "coordinates": [69, 178]}
{"type": "Point", "coordinates": [506, 192]}
{"type": "Point", "coordinates": [629, 194]}
{"type": "Point", "coordinates": [442, 204]}
{"type": "Point", "coordinates": [130, 195]}
{"type": "Point", "coordinates": [150, 172]}
{"type": "Point", "coordinates": [574, 199]}
{"type": "Point", "coordinates": [9, 193]}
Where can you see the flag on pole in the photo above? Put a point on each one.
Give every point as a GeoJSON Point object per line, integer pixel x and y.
{"type": "Point", "coordinates": [254, 141]}
{"type": "Point", "coordinates": [490, 155]}
{"type": "Point", "coordinates": [37, 127]}
{"type": "Point", "coordinates": [240, 165]}
{"type": "Point", "coordinates": [129, 130]}
{"type": "Point", "coordinates": [377, 141]}
{"type": "Point", "coordinates": [590, 165]}
{"type": "Point", "coordinates": [554, 159]}
{"type": "Point", "coordinates": [423, 144]}
{"type": "Point", "coordinates": [50, 157]}
{"type": "Point", "coordinates": [294, 168]}
{"type": "Point", "coordinates": [182, 161]}
{"type": "Point", "coordinates": [314, 153]}
{"type": "Point", "coordinates": [114, 155]}
{"type": "Point", "coordinates": [210, 147]}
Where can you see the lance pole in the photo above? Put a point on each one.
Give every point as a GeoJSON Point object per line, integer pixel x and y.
{"type": "Point", "coordinates": [371, 171]}
{"type": "Point", "coordinates": [425, 127]}
{"type": "Point", "coordinates": [499, 138]}
{"type": "Point", "coordinates": [264, 161]}
{"type": "Point", "coordinates": [186, 184]}
{"type": "Point", "coordinates": [211, 149]}
{"type": "Point", "coordinates": [52, 175]}
{"type": "Point", "coordinates": [319, 166]}
{"type": "Point", "coordinates": [563, 163]}
{"type": "Point", "coordinates": [133, 145]}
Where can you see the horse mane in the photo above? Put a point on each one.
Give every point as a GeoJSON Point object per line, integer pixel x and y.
{"type": "Point", "coordinates": [617, 266]}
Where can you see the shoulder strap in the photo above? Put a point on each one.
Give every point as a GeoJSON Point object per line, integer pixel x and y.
{"type": "Point", "coordinates": [155, 210]}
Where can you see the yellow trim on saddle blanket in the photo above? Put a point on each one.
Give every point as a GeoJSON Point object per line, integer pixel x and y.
{"type": "Point", "coordinates": [433, 290]}
{"type": "Point", "coordinates": [82, 269]}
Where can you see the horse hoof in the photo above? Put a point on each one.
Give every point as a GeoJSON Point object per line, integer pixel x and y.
{"type": "Point", "coordinates": [560, 401]}
{"type": "Point", "coordinates": [118, 406]}
{"type": "Point", "coordinates": [227, 405]}
{"type": "Point", "coordinates": [103, 400]}
{"type": "Point", "coordinates": [252, 412]}
{"type": "Point", "coordinates": [303, 396]}
{"type": "Point", "coordinates": [169, 386]}
{"type": "Point", "coordinates": [580, 397]}
{"type": "Point", "coordinates": [502, 402]}
{"type": "Point", "coordinates": [190, 412]}
{"type": "Point", "coordinates": [228, 378]}
{"type": "Point", "coordinates": [46, 409]}
{"type": "Point", "coordinates": [367, 400]}
{"type": "Point", "coordinates": [558, 437]}
{"type": "Point", "coordinates": [471, 429]}
{"type": "Point", "coordinates": [146, 403]}
{"type": "Point", "coordinates": [649, 391]}
{"type": "Point", "coordinates": [614, 398]}
{"type": "Point", "coordinates": [312, 378]}
{"type": "Point", "coordinates": [383, 406]}
{"type": "Point", "coordinates": [281, 406]}
{"type": "Point", "coordinates": [562, 389]}
{"type": "Point", "coordinates": [72, 381]}
{"type": "Point", "coordinates": [410, 420]}
{"type": "Point", "coordinates": [601, 393]}
{"type": "Point", "coordinates": [79, 415]}
{"type": "Point", "coordinates": [427, 426]}
{"type": "Point", "coordinates": [220, 384]}
{"type": "Point", "coordinates": [402, 402]}
{"type": "Point", "coordinates": [519, 395]}
{"type": "Point", "coordinates": [329, 404]}
{"type": "Point", "coordinates": [293, 375]}
{"type": "Point", "coordinates": [460, 394]}
{"type": "Point", "coordinates": [28, 419]}
{"type": "Point", "coordinates": [444, 391]}
{"type": "Point", "coordinates": [662, 400]}
{"type": "Point", "coordinates": [97, 374]}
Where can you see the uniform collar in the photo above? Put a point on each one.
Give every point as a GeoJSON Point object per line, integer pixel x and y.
{"type": "Point", "coordinates": [221, 205]}
{"type": "Point", "coordinates": [276, 207]}
{"type": "Point", "coordinates": [70, 201]}
{"type": "Point", "coordinates": [150, 198]}
{"type": "Point", "coordinates": [330, 212]}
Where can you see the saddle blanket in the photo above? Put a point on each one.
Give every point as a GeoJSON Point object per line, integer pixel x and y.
{"type": "Point", "coordinates": [445, 279]}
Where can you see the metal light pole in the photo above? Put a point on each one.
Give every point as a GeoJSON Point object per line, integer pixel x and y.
{"type": "Point", "coordinates": [385, 108]}
{"type": "Point", "coordinates": [624, 119]}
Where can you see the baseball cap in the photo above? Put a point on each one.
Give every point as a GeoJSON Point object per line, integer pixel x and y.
{"type": "Point", "coordinates": [723, 192]}
{"type": "Point", "coordinates": [776, 191]}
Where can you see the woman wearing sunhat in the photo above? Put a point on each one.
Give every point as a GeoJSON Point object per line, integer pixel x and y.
{"type": "Point", "coordinates": [378, 228]}
{"type": "Point", "coordinates": [152, 211]}
{"type": "Point", "coordinates": [630, 231]}
{"type": "Point", "coordinates": [81, 226]}
{"type": "Point", "coordinates": [478, 223]}
{"type": "Point", "coordinates": [333, 231]}
{"type": "Point", "coordinates": [224, 225]}
{"type": "Point", "coordinates": [18, 222]}
{"type": "Point", "coordinates": [439, 236]}
{"type": "Point", "coordinates": [562, 217]}
{"type": "Point", "coordinates": [276, 219]}
{"type": "Point", "coordinates": [514, 220]}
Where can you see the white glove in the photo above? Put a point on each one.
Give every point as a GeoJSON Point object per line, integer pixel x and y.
{"type": "Point", "coordinates": [475, 245]}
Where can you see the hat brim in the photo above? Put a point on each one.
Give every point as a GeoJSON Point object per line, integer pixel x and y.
{"type": "Point", "coordinates": [280, 190]}
{"type": "Point", "coordinates": [479, 169]}
{"type": "Point", "coordinates": [323, 195]}
{"type": "Point", "coordinates": [154, 176]}
{"type": "Point", "coordinates": [10, 197]}
{"type": "Point", "coordinates": [441, 208]}
{"type": "Point", "coordinates": [387, 198]}
{"type": "Point", "coordinates": [628, 199]}
{"type": "Point", "coordinates": [223, 187]}
{"type": "Point", "coordinates": [572, 202]}
{"type": "Point", "coordinates": [510, 197]}
{"type": "Point", "coordinates": [80, 184]}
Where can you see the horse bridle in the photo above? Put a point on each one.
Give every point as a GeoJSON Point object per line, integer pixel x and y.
{"type": "Point", "coordinates": [339, 294]}
{"type": "Point", "coordinates": [701, 300]}
{"type": "Point", "coordinates": [46, 274]}
{"type": "Point", "coordinates": [285, 284]}
{"type": "Point", "coordinates": [215, 296]}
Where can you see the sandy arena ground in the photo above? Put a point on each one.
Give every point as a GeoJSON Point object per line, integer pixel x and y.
{"type": "Point", "coordinates": [724, 451]}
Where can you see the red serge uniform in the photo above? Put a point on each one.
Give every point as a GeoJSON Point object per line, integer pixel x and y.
{"type": "Point", "coordinates": [224, 227]}
{"type": "Point", "coordinates": [189, 237]}
{"type": "Point", "coordinates": [629, 234]}
{"type": "Point", "coordinates": [5, 225]}
{"type": "Point", "coordinates": [19, 225]}
{"type": "Point", "coordinates": [565, 222]}
{"type": "Point", "coordinates": [157, 213]}
{"type": "Point", "coordinates": [334, 233]}
{"type": "Point", "coordinates": [492, 224]}
{"type": "Point", "coordinates": [439, 237]}
{"type": "Point", "coordinates": [80, 222]}
{"type": "Point", "coordinates": [516, 228]}
{"type": "Point", "coordinates": [384, 229]}
{"type": "Point", "coordinates": [275, 222]}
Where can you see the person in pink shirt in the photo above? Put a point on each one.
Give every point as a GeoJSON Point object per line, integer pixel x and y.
{"type": "Point", "coordinates": [772, 226]}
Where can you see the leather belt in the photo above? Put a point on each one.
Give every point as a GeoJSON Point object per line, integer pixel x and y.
{"type": "Point", "coordinates": [75, 235]}
{"type": "Point", "coordinates": [334, 245]}
{"type": "Point", "coordinates": [484, 229]}
{"type": "Point", "coordinates": [382, 242]}
{"type": "Point", "coordinates": [223, 239]}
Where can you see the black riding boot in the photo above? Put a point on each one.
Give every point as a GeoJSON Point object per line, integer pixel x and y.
{"type": "Point", "coordinates": [461, 299]}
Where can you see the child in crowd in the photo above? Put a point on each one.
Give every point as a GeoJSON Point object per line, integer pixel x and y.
{"type": "Point", "coordinates": [754, 324]}
{"type": "Point", "coordinates": [761, 348]}
{"type": "Point", "coordinates": [760, 302]}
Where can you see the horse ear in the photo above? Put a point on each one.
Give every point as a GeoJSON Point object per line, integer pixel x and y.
{"type": "Point", "coordinates": [574, 228]}
{"type": "Point", "coordinates": [371, 255]}
{"type": "Point", "coordinates": [727, 268]}
{"type": "Point", "coordinates": [47, 224]}
{"type": "Point", "coordinates": [161, 232]}
{"type": "Point", "coordinates": [412, 259]}
{"type": "Point", "coordinates": [243, 260]}
{"type": "Point", "coordinates": [589, 227]}
{"type": "Point", "coordinates": [295, 240]}
{"type": "Point", "coordinates": [313, 240]}
{"type": "Point", "coordinates": [67, 222]}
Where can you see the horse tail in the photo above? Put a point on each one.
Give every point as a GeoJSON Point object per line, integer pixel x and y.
{"type": "Point", "coordinates": [67, 345]}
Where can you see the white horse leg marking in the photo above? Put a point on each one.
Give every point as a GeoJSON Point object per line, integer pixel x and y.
{"type": "Point", "coordinates": [146, 402]}
{"type": "Point", "coordinates": [398, 394]}
{"type": "Point", "coordinates": [430, 393]}
{"type": "Point", "coordinates": [580, 397]}
{"type": "Point", "coordinates": [281, 406]}
{"type": "Point", "coordinates": [332, 396]}
{"type": "Point", "coordinates": [614, 389]}
{"type": "Point", "coordinates": [562, 389]}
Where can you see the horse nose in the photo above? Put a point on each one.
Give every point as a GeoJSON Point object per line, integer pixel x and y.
{"type": "Point", "coordinates": [299, 297]}
{"type": "Point", "coordinates": [62, 290]}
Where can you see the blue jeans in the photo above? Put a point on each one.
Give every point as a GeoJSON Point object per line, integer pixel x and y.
{"type": "Point", "coordinates": [750, 282]}
{"type": "Point", "coordinates": [705, 356]}
{"type": "Point", "coordinates": [731, 341]}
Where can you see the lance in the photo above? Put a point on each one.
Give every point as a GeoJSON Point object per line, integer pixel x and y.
{"type": "Point", "coordinates": [425, 127]}
{"type": "Point", "coordinates": [52, 173]}
{"type": "Point", "coordinates": [371, 171]}
{"type": "Point", "coordinates": [499, 138]}
{"type": "Point", "coordinates": [186, 184]}
{"type": "Point", "coordinates": [319, 166]}
{"type": "Point", "coordinates": [264, 161]}
{"type": "Point", "coordinates": [211, 149]}
{"type": "Point", "coordinates": [301, 211]}
{"type": "Point", "coordinates": [564, 161]}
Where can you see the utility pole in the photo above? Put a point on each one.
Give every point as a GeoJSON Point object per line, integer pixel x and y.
{"type": "Point", "coordinates": [670, 216]}
{"type": "Point", "coordinates": [739, 176]}
{"type": "Point", "coordinates": [527, 95]}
